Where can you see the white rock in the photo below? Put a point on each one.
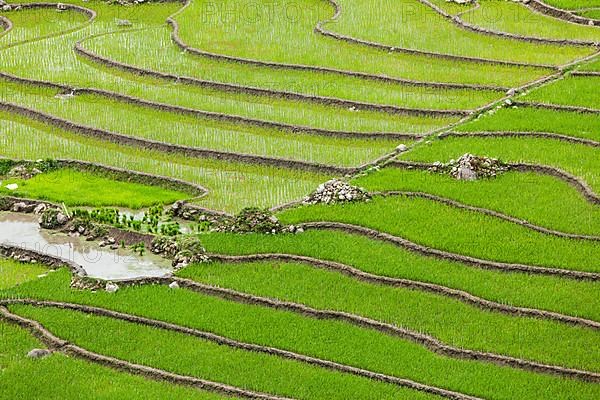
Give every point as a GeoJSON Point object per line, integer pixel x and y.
{"type": "Point", "coordinates": [38, 353]}
{"type": "Point", "coordinates": [111, 287]}
{"type": "Point", "coordinates": [401, 148]}
{"type": "Point", "coordinates": [174, 285]}
{"type": "Point", "coordinates": [12, 186]}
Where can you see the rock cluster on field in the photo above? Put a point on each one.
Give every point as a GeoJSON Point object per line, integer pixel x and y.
{"type": "Point", "coordinates": [253, 220]}
{"type": "Point", "coordinates": [23, 258]}
{"type": "Point", "coordinates": [183, 250]}
{"type": "Point", "coordinates": [470, 167]}
{"type": "Point", "coordinates": [39, 353]}
{"type": "Point", "coordinates": [336, 191]}
{"type": "Point", "coordinates": [84, 283]}
{"type": "Point", "coordinates": [23, 172]}
{"type": "Point", "coordinates": [53, 218]}
{"type": "Point", "coordinates": [189, 212]}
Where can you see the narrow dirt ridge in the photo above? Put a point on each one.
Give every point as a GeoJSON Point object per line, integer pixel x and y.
{"type": "Point", "coordinates": [487, 211]}
{"type": "Point", "coordinates": [542, 7]}
{"type": "Point", "coordinates": [350, 39]}
{"type": "Point", "coordinates": [427, 341]}
{"type": "Point", "coordinates": [544, 135]}
{"type": "Point", "coordinates": [221, 340]}
{"type": "Point", "coordinates": [195, 152]}
{"type": "Point", "coordinates": [209, 114]}
{"type": "Point", "coordinates": [57, 344]}
{"type": "Point", "coordinates": [6, 25]}
{"type": "Point", "coordinates": [557, 107]}
{"type": "Point", "coordinates": [477, 29]}
{"type": "Point", "coordinates": [460, 295]}
{"type": "Point", "coordinates": [444, 255]}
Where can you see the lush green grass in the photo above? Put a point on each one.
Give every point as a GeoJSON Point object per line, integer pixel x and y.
{"type": "Point", "coordinates": [232, 185]}
{"type": "Point", "coordinates": [573, 4]}
{"type": "Point", "coordinates": [534, 291]}
{"type": "Point", "coordinates": [181, 354]}
{"type": "Point", "coordinates": [529, 119]}
{"type": "Point", "coordinates": [413, 25]}
{"type": "Point", "coordinates": [458, 231]}
{"type": "Point", "coordinates": [169, 127]}
{"type": "Point", "coordinates": [62, 377]}
{"type": "Point", "coordinates": [78, 188]}
{"type": "Point", "coordinates": [14, 273]}
{"type": "Point", "coordinates": [579, 160]}
{"type": "Point", "coordinates": [356, 346]}
{"type": "Point", "coordinates": [594, 14]}
{"type": "Point", "coordinates": [451, 321]}
{"type": "Point", "coordinates": [539, 199]}
{"type": "Point", "coordinates": [571, 91]}
{"type": "Point", "coordinates": [506, 16]}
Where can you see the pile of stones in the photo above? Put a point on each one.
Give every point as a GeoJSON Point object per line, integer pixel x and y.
{"type": "Point", "coordinates": [252, 220]}
{"type": "Point", "coordinates": [470, 167]}
{"type": "Point", "coordinates": [336, 191]}
{"type": "Point", "coordinates": [183, 250]}
{"type": "Point", "coordinates": [188, 212]}
{"type": "Point", "coordinates": [53, 218]}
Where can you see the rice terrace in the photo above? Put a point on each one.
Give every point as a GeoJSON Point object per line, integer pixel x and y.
{"type": "Point", "coordinates": [300, 199]}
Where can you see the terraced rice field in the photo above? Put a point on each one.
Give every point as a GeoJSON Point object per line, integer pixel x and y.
{"type": "Point", "coordinates": [309, 199]}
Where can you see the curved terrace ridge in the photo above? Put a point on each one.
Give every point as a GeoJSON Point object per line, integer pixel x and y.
{"type": "Point", "coordinates": [545, 135]}
{"type": "Point", "coordinates": [579, 184]}
{"type": "Point", "coordinates": [547, 9]}
{"type": "Point", "coordinates": [460, 295]}
{"type": "Point", "coordinates": [91, 14]}
{"type": "Point", "coordinates": [492, 32]}
{"type": "Point", "coordinates": [195, 152]}
{"type": "Point", "coordinates": [319, 29]}
{"type": "Point", "coordinates": [427, 341]}
{"type": "Point", "coordinates": [57, 344]}
{"type": "Point", "coordinates": [301, 129]}
{"type": "Point", "coordinates": [221, 340]}
{"type": "Point", "coordinates": [444, 255]}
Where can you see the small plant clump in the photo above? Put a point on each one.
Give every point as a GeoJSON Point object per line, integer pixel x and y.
{"type": "Point", "coordinates": [470, 167]}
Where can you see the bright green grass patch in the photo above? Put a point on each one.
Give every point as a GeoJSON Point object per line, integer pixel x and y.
{"type": "Point", "coordinates": [181, 354]}
{"type": "Point", "coordinates": [529, 119]}
{"type": "Point", "coordinates": [232, 186]}
{"type": "Point", "coordinates": [357, 346]}
{"type": "Point", "coordinates": [451, 321]}
{"type": "Point", "coordinates": [539, 199]}
{"type": "Point", "coordinates": [507, 16]}
{"type": "Point", "coordinates": [410, 24]}
{"type": "Point", "coordinates": [13, 273]}
{"type": "Point", "coordinates": [593, 14]}
{"type": "Point", "coordinates": [577, 159]}
{"type": "Point", "coordinates": [458, 231]}
{"type": "Point", "coordinates": [174, 128]}
{"type": "Point", "coordinates": [535, 291]}
{"type": "Point", "coordinates": [31, 24]}
{"type": "Point", "coordinates": [62, 377]}
{"type": "Point", "coordinates": [78, 188]}
{"type": "Point", "coordinates": [571, 91]}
